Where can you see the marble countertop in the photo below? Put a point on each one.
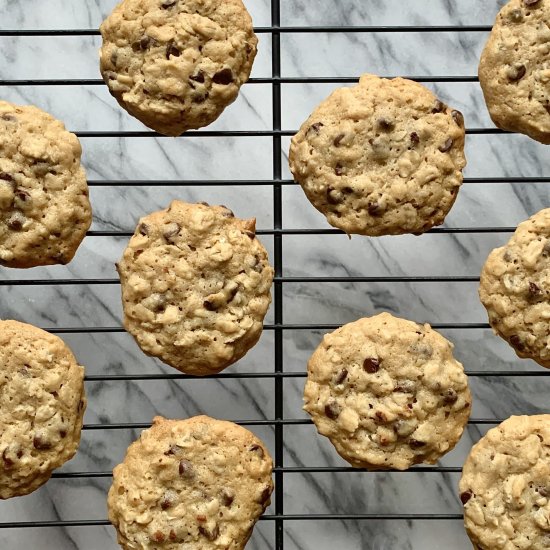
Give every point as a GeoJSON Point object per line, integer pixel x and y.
{"type": "Point", "coordinates": [117, 207]}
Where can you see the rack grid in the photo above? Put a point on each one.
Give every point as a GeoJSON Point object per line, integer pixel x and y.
{"type": "Point", "coordinates": [278, 422]}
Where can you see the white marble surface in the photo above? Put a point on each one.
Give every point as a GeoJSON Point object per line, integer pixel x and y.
{"type": "Point", "coordinates": [116, 208]}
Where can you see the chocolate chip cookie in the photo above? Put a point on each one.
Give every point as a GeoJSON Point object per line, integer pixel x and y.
{"type": "Point", "coordinates": [195, 483]}
{"type": "Point", "coordinates": [514, 69]}
{"type": "Point", "coordinates": [505, 486]}
{"type": "Point", "coordinates": [515, 289]}
{"type": "Point", "coordinates": [42, 403]}
{"type": "Point", "coordinates": [388, 393]}
{"type": "Point", "coordinates": [176, 64]}
{"type": "Point", "coordinates": [195, 286]}
{"type": "Point", "coordinates": [384, 157]}
{"type": "Point", "coordinates": [44, 206]}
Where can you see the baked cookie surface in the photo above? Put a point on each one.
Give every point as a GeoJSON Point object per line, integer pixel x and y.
{"type": "Point", "coordinates": [515, 286]}
{"type": "Point", "coordinates": [44, 206]}
{"type": "Point", "coordinates": [384, 157]}
{"type": "Point", "coordinates": [42, 403]}
{"type": "Point", "coordinates": [505, 486]}
{"type": "Point", "coordinates": [388, 393]}
{"type": "Point", "coordinates": [195, 483]}
{"type": "Point", "coordinates": [176, 64]}
{"type": "Point", "coordinates": [513, 71]}
{"type": "Point", "coordinates": [196, 286]}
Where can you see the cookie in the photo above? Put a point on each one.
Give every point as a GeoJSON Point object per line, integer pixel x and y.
{"type": "Point", "coordinates": [44, 206]}
{"type": "Point", "coordinates": [176, 64]}
{"type": "Point", "coordinates": [515, 289]}
{"type": "Point", "coordinates": [42, 403]}
{"type": "Point", "coordinates": [388, 393]}
{"type": "Point", "coordinates": [384, 157]}
{"type": "Point", "coordinates": [513, 71]}
{"type": "Point", "coordinates": [505, 486]}
{"type": "Point", "coordinates": [195, 286]}
{"type": "Point", "coordinates": [195, 483]}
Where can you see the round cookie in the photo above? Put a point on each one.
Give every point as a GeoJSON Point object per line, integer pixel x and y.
{"type": "Point", "coordinates": [195, 286]}
{"type": "Point", "coordinates": [195, 483]}
{"type": "Point", "coordinates": [513, 71]}
{"type": "Point", "coordinates": [384, 157]}
{"type": "Point", "coordinates": [176, 64]}
{"type": "Point", "coordinates": [505, 486]}
{"type": "Point", "coordinates": [388, 393]}
{"type": "Point", "coordinates": [42, 403]}
{"type": "Point", "coordinates": [44, 206]}
{"type": "Point", "coordinates": [515, 289]}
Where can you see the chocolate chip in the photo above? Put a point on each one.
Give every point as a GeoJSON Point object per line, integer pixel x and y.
{"type": "Point", "coordinates": [264, 495]}
{"type": "Point", "coordinates": [450, 396]}
{"type": "Point", "coordinates": [373, 208]}
{"type": "Point", "coordinates": [543, 491]}
{"type": "Point", "coordinates": [338, 169]}
{"type": "Point", "coordinates": [516, 72]}
{"type": "Point", "coordinates": [168, 4]}
{"type": "Point", "coordinates": [439, 106]}
{"type": "Point", "coordinates": [332, 410]}
{"type": "Point", "coordinates": [371, 364]}
{"type": "Point", "coordinates": [80, 405]}
{"type": "Point", "coordinates": [380, 417]}
{"type": "Point", "coordinates": [172, 536]}
{"type": "Point", "coordinates": [172, 50]}
{"type": "Point", "coordinates": [465, 496]}
{"type": "Point", "coordinates": [62, 434]}
{"type": "Point", "coordinates": [516, 16]}
{"type": "Point", "coordinates": [40, 443]}
{"type": "Point", "coordinates": [8, 462]}
{"type": "Point", "coordinates": [174, 450]}
{"type": "Point", "coordinates": [534, 290]}
{"type": "Point", "coordinates": [531, 2]}
{"type": "Point", "coordinates": [6, 177]}
{"type": "Point", "coordinates": [227, 497]}
{"type": "Point", "coordinates": [458, 118]}
{"type": "Point", "coordinates": [185, 468]}
{"type": "Point", "coordinates": [204, 203]}
{"type": "Point", "coordinates": [199, 77]}
{"type": "Point", "coordinates": [22, 195]}
{"type": "Point", "coordinates": [415, 444]}
{"type": "Point", "coordinates": [228, 213]}
{"type": "Point", "coordinates": [168, 500]}
{"type": "Point", "coordinates": [158, 536]}
{"type": "Point", "coordinates": [211, 534]}
{"type": "Point", "coordinates": [16, 221]}
{"type": "Point", "coordinates": [9, 118]}
{"type": "Point", "coordinates": [201, 98]}
{"type": "Point", "coordinates": [338, 139]}
{"type": "Point", "coordinates": [257, 449]}
{"type": "Point", "coordinates": [143, 229]}
{"type": "Point", "coordinates": [224, 77]}
{"type": "Point", "coordinates": [516, 342]}
{"type": "Point", "coordinates": [446, 146]}
{"type": "Point", "coordinates": [415, 138]}
{"type": "Point", "coordinates": [385, 124]}
{"type": "Point", "coordinates": [341, 376]}
{"type": "Point", "coordinates": [171, 231]}
{"type": "Point", "coordinates": [316, 127]}
{"type": "Point", "coordinates": [210, 306]}
{"type": "Point", "coordinates": [405, 386]}
{"type": "Point", "coordinates": [142, 44]}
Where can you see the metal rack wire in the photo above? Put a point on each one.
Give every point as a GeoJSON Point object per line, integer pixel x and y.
{"type": "Point", "coordinates": [278, 422]}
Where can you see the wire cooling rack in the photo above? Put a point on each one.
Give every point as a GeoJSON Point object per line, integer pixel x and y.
{"type": "Point", "coordinates": [279, 517]}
